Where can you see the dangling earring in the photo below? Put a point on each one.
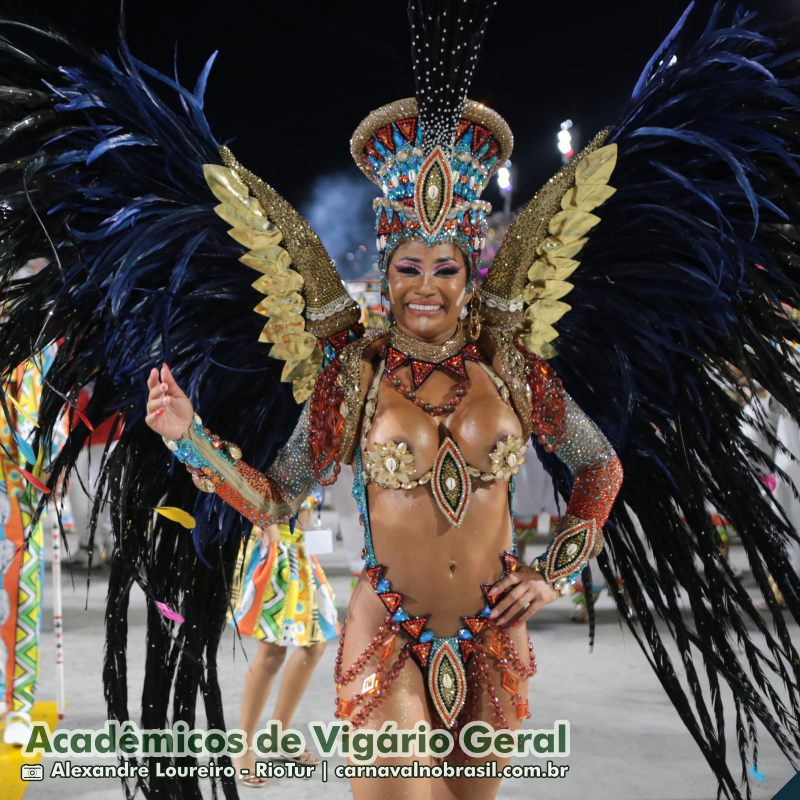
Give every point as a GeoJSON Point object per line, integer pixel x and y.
{"type": "Point", "coordinates": [474, 322]}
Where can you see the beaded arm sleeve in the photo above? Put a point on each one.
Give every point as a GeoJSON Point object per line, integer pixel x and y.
{"type": "Point", "coordinates": [217, 466]}
{"type": "Point", "coordinates": [562, 428]}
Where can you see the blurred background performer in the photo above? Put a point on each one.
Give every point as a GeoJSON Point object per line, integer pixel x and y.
{"type": "Point", "coordinates": [282, 598]}
{"type": "Point", "coordinates": [21, 545]}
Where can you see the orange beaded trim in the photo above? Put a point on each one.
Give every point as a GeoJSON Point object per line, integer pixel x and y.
{"type": "Point", "coordinates": [595, 490]}
{"type": "Point", "coordinates": [326, 424]}
{"type": "Point", "coordinates": [548, 417]}
{"type": "Point", "coordinates": [381, 648]}
{"type": "Point", "coordinates": [494, 643]}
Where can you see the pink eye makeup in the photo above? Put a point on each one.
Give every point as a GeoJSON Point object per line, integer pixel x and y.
{"type": "Point", "coordinates": [445, 269]}
{"type": "Point", "coordinates": [408, 268]}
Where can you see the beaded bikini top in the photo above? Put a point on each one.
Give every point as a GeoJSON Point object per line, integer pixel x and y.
{"type": "Point", "coordinates": [391, 465]}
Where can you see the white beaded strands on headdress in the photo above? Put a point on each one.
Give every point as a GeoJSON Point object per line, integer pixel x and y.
{"type": "Point", "coordinates": [446, 38]}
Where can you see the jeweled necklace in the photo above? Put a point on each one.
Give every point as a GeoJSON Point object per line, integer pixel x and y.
{"type": "Point", "coordinates": [447, 407]}
{"type": "Point", "coordinates": [423, 359]}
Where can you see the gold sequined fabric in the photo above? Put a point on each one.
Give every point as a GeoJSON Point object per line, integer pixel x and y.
{"type": "Point", "coordinates": [537, 253]}
{"type": "Point", "coordinates": [509, 364]}
{"type": "Point", "coordinates": [303, 295]}
{"type": "Point", "coordinates": [359, 361]}
{"type": "Point", "coordinates": [322, 285]}
{"type": "Point", "coordinates": [423, 351]}
{"type": "Point", "coordinates": [278, 282]}
{"type": "Point", "coordinates": [407, 108]}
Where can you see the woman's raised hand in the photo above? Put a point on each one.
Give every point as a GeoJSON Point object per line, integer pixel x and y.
{"type": "Point", "coordinates": [169, 410]}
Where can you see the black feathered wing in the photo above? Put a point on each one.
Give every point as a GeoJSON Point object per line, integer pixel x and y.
{"type": "Point", "coordinates": [102, 174]}
{"type": "Point", "coordinates": [655, 305]}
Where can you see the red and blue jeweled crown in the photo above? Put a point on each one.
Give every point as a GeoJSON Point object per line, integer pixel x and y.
{"type": "Point", "coordinates": [431, 193]}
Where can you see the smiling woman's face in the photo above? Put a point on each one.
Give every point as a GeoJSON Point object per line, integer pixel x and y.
{"type": "Point", "coordinates": [427, 289]}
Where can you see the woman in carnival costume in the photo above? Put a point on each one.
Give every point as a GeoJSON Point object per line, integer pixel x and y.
{"type": "Point", "coordinates": [281, 597]}
{"type": "Point", "coordinates": [665, 236]}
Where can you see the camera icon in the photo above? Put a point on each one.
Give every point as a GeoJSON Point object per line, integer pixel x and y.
{"type": "Point", "coordinates": [32, 772]}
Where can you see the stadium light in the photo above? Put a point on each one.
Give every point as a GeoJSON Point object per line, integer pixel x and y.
{"type": "Point", "coordinates": [564, 140]}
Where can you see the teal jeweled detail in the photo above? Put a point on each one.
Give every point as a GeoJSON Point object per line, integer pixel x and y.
{"type": "Point", "coordinates": [186, 451]}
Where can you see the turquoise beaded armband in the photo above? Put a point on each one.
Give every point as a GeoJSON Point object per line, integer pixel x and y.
{"type": "Point", "coordinates": [188, 450]}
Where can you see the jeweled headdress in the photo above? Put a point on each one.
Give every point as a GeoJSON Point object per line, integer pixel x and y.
{"type": "Point", "coordinates": [433, 155]}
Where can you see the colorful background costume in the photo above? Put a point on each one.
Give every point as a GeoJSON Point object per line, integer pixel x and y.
{"type": "Point", "coordinates": [21, 545]}
{"type": "Point", "coordinates": [665, 234]}
{"type": "Point", "coordinates": [281, 594]}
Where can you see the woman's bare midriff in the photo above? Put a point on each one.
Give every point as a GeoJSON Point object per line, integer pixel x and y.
{"type": "Point", "coordinates": [437, 567]}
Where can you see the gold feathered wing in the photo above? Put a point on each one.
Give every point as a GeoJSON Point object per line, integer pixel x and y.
{"type": "Point", "coordinates": [304, 298]}
{"type": "Point", "coordinates": [528, 277]}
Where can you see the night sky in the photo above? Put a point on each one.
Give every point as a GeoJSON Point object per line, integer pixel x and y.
{"type": "Point", "coordinates": [293, 79]}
